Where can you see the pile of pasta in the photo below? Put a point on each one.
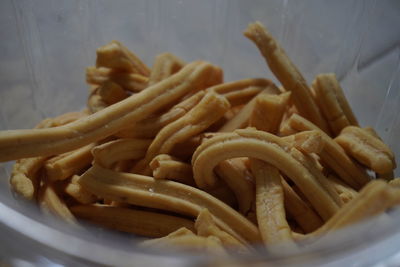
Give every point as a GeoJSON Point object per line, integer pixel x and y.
{"type": "Point", "coordinates": [177, 155]}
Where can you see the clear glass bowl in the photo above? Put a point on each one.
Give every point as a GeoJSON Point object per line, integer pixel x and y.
{"type": "Point", "coordinates": [46, 46]}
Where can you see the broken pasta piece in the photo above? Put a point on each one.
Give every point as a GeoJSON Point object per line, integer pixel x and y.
{"type": "Point", "coordinates": [166, 167]}
{"type": "Point", "coordinates": [67, 164]}
{"type": "Point", "coordinates": [287, 73]}
{"type": "Point", "coordinates": [75, 190]}
{"type": "Point", "coordinates": [116, 56]}
{"type": "Point", "coordinates": [367, 149]}
{"type": "Point", "coordinates": [268, 112]}
{"type": "Point", "coordinates": [331, 100]}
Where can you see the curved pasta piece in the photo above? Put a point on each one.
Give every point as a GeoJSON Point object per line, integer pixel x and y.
{"type": "Point", "coordinates": [166, 195]}
{"type": "Point", "coordinates": [144, 223]}
{"type": "Point", "coordinates": [16, 144]}
{"type": "Point", "coordinates": [264, 146]}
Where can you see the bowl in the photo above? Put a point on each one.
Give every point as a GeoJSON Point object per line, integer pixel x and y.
{"type": "Point", "coordinates": [47, 45]}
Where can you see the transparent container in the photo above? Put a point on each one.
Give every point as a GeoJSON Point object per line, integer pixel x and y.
{"type": "Point", "coordinates": [46, 46]}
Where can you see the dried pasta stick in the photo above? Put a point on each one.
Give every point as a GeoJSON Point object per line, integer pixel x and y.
{"type": "Point", "coordinates": [144, 223]}
{"type": "Point", "coordinates": [241, 119]}
{"type": "Point", "coordinates": [128, 81]}
{"type": "Point", "coordinates": [271, 218]}
{"type": "Point", "coordinates": [16, 144]}
{"type": "Point", "coordinates": [210, 108]}
{"type": "Point", "coordinates": [334, 155]}
{"type": "Point", "coordinates": [121, 149]}
{"type": "Point", "coordinates": [305, 216]}
{"type": "Point", "coordinates": [376, 197]}
{"type": "Point", "coordinates": [287, 73]}
{"type": "Point", "coordinates": [67, 164]}
{"type": "Point", "coordinates": [332, 102]}
{"type": "Point", "coordinates": [116, 56]}
{"type": "Point", "coordinates": [166, 167]}
{"type": "Point", "coordinates": [151, 126]}
{"type": "Point", "coordinates": [268, 112]}
{"type": "Point", "coordinates": [50, 201]}
{"type": "Point", "coordinates": [75, 190]}
{"type": "Point", "coordinates": [239, 179]}
{"type": "Point", "coordinates": [264, 146]}
{"type": "Point", "coordinates": [165, 65]}
{"type": "Point", "coordinates": [166, 195]}
{"type": "Point", "coordinates": [205, 226]}
{"type": "Point", "coordinates": [367, 149]}
{"type": "Point", "coordinates": [242, 91]}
